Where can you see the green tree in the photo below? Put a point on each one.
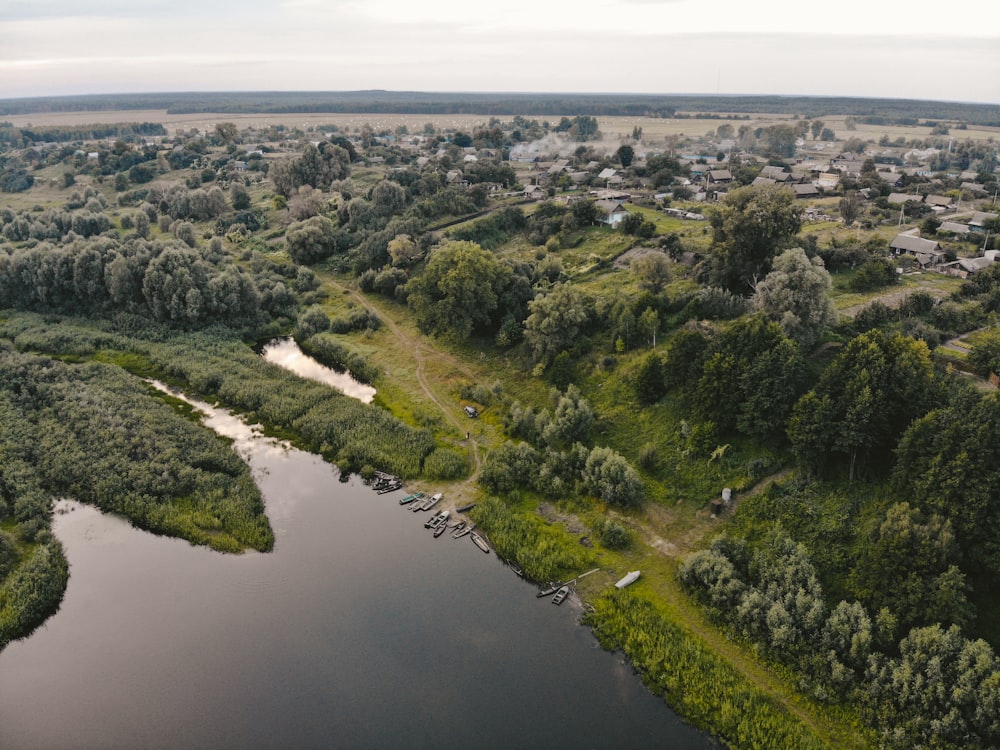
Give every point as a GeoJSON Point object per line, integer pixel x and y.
{"type": "Point", "coordinates": [311, 240]}
{"type": "Point", "coordinates": [864, 401]}
{"type": "Point", "coordinates": [940, 692]}
{"type": "Point", "coordinates": [749, 378]}
{"type": "Point", "coordinates": [649, 384]}
{"type": "Point", "coordinates": [653, 271]}
{"type": "Point", "coordinates": [609, 476]}
{"type": "Point", "coordinates": [850, 207]}
{"type": "Point", "coordinates": [555, 321]}
{"type": "Point", "coordinates": [624, 155]}
{"type": "Point", "coordinates": [459, 290]}
{"type": "Point", "coordinates": [919, 555]}
{"type": "Point", "coordinates": [948, 462]}
{"type": "Point", "coordinates": [795, 294]}
{"type": "Point", "coordinates": [750, 226]}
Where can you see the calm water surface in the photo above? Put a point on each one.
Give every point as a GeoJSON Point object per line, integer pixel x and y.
{"type": "Point", "coordinates": [360, 630]}
{"type": "Point", "coordinates": [284, 352]}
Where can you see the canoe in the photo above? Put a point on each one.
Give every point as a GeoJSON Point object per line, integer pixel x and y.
{"type": "Point", "coordinates": [411, 498]}
{"type": "Point", "coordinates": [441, 528]}
{"type": "Point", "coordinates": [459, 533]}
{"type": "Point", "coordinates": [629, 578]}
{"type": "Point", "coordinates": [561, 595]}
{"type": "Point", "coordinates": [480, 541]}
{"type": "Point", "coordinates": [465, 508]}
{"type": "Point", "coordinates": [518, 570]}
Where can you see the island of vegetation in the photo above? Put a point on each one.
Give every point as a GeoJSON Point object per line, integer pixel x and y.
{"type": "Point", "coordinates": [753, 356]}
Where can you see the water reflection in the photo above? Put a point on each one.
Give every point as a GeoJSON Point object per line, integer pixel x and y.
{"type": "Point", "coordinates": [284, 352]}
{"type": "Point", "coordinates": [360, 630]}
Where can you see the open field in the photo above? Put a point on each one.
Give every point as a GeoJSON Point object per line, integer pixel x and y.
{"type": "Point", "coordinates": [653, 128]}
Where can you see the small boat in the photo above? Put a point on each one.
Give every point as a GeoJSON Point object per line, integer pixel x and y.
{"type": "Point", "coordinates": [457, 527]}
{"type": "Point", "coordinates": [441, 528]}
{"type": "Point", "coordinates": [441, 522]}
{"type": "Point", "coordinates": [431, 501]}
{"type": "Point", "coordinates": [629, 578]}
{"type": "Point", "coordinates": [548, 589]}
{"type": "Point", "coordinates": [390, 487]}
{"type": "Point", "coordinates": [518, 570]}
{"type": "Point", "coordinates": [426, 502]}
{"type": "Point", "coordinates": [411, 498]}
{"type": "Point", "coordinates": [480, 541]}
{"type": "Point", "coordinates": [465, 508]}
{"type": "Point", "coordinates": [561, 595]}
{"type": "Point", "coordinates": [433, 520]}
{"type": "Point", "coordinates": [459, 533]}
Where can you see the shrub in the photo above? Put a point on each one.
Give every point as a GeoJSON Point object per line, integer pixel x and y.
{"type": "Point", "coordinates": [443, 463]}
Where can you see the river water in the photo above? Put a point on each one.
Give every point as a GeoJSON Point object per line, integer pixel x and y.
{"type": "Point", "coordinates": [284, 352]}
{"type": "Point", "coordinates": [360, 630]}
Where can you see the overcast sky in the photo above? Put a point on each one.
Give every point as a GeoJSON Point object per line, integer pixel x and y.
{"type": "Point", "coordinates": [884, 48]}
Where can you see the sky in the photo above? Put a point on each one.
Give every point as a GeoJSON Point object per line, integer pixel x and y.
{"type": "Point", "coordinates": [874, 48]}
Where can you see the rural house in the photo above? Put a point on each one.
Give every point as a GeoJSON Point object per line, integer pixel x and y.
{"type": "Point", "coordinates": [613, 212]}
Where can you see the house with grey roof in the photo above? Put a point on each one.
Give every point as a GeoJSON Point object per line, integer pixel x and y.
{"type": "Point", "coordinates": [939, 201]}
{"type": "Point", "coordinates": [805, 190]}
{"type": "Point", "coordinates": [895, 179]}
{"type": "Point", "coordinates": [979, 218]}
{"type": "Point", "coordinates": [896, 199]}
{"type": "Point", "coordinates": [719, 177]}
{"type": "Point", "coordinates": [927, 253]}
{"type": "Point", "coordinates": [953, 227]}
{"type": "Point", "coordinates": [965, 267]}
{"type": "Point", "coordinates": [613, 212]}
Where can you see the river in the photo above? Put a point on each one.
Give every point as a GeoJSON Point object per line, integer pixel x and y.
{"type": "Point", "coordinates": [284, 352]}
{"type": "Point", "coordinates": [360, 630]}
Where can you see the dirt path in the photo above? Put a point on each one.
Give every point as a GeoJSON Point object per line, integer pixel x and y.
{"type": "Point", "coordinates": [688, 614]}
{"type": "Point", "coordinates": [419, 351]}
{"type": "Point", "coordinates": [889, 299]}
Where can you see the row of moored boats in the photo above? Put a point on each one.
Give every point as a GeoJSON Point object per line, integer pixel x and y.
{"type": "Point", "coordinates": [444, 521]}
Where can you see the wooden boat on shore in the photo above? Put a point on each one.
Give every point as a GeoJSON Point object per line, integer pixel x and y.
{"type": "Point", "coordinates": [411, 498]}
{"type": "Point", "coordinates": [432, 501]}
{"type": "Point", "coordinates": [465, 508]}
{"type": "Point", "coordinates": [459, 533]}
{"type": "Point", "coordinates": [629, 578]}
{"type": "Point", "coordinates": [433, 520]}
{"type": "Point", "coordinates": [480, 541]}
{"type": "Point", "coordinates": [390, 487]}
{"type": "Point", "coordinates": [458, 526]}
{"type": "Point", "coordinates": [548, 589]}
{"type": "Point", "coordinates": [561, 595]}
{"type": "Point", "coordinates": [518, 570]}
{"type": "Point", "coordinates": [441, 528]}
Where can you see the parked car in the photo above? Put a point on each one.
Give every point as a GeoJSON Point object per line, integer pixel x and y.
{"type": "Point", "coordinates": [471, 411]}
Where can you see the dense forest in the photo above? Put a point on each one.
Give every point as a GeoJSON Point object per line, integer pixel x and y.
{"type": "Point", "coordinates": [507, 104]}
{"type": "Point", "coordinates": [626, 374]}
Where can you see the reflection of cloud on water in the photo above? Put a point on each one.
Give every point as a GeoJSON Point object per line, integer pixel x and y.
{"type": "Point", "coordinates": [286, 353]}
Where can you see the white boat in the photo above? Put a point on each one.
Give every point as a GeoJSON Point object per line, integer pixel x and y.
{"type": "Point", "coordinates": [434, 500]}
{"type": "Point", "coordinates": [561, 595]}
{"type": "Point", "coordinates": [480, 541]}
{"type": "Point", "coordinates": [629, 578]}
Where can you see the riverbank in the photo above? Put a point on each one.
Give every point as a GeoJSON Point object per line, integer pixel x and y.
{"type": "Point", "coordinates": [420, 373]}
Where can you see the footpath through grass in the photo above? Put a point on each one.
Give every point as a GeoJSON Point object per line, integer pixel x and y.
{"type": "Point", "coordinates": [711, 680]}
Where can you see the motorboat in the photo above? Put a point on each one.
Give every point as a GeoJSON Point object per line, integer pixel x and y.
{"type": "Point", "coordinates": [561, 595]}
